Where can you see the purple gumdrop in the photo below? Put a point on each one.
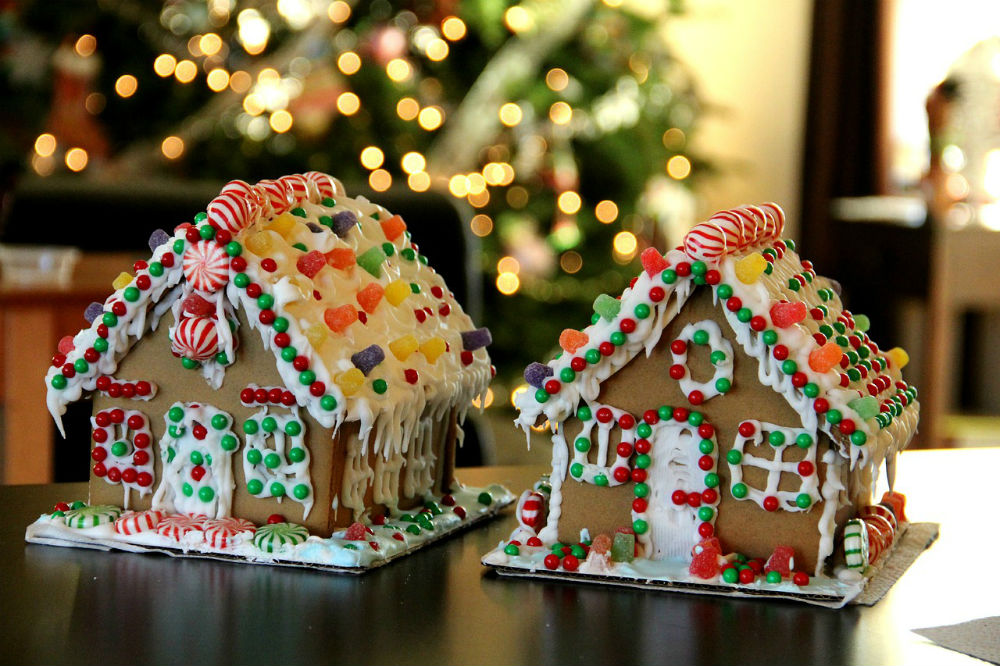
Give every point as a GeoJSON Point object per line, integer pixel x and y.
{"type": "Point", "coordinates": [343, 222]}
{"type": "Point", "coordinates": [476, 338]}
{"type": "Point", "coordinates": [158, 238]}
{"type": "Point", "coordinates": [536, 374]}
{"type": "Point", "coordinates": [313, 227]}
{"type": "Point", "coordinates": [93, 311]}
{"type": "Point", "coordinates": [368, 358]}
{"type": "Point", "coordinates": [836, 287]}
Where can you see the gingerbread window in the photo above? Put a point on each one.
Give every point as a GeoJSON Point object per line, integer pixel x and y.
{"type": "Point", "coordinates": [774, 466]}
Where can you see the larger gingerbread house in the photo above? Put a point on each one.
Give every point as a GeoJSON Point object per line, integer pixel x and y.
{"type": "Point", "coordinates": [286, 366]}
{"type": "Point", "coordinates": [726, 400]}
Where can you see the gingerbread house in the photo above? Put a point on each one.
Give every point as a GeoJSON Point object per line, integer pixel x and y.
{"type": "Point", "coordinates": [725, 400]}
{"type": "Point", "coordinates": [289, 365]}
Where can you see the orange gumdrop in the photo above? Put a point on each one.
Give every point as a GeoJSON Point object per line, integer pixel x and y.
{"type": "Point", "coordinates": [572, 339]}
{"type": "Point", "coordinates": [339, 318]}
{"type": "Point", "coordinates": [370, 297]}
{"type": "Point", "coordinates": [822, 359]}
{"type": "Point", "coordinates": [341, 258]}
{"type": "Point", "coordinates": [393, 227]}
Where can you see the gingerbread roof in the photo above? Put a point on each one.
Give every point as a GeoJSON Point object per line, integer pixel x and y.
{"type": "Point", "coordinates": [810, 349]}
{"type": "Point", "coordinates": [361, 328]}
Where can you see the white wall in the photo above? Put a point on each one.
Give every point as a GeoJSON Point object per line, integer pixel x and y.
{"type": "Point", "coordinates": [751, 60]}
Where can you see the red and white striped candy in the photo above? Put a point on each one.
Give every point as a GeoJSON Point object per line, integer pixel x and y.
{"type": "Point", "coordinates": [732, 231]}
{"type": "Point", "coordinates": [880, 536]}
{"type": "Point", "coordinates": [324, 185]}
{"type": "Point", "coordinates": [230, 211]}
{"type": "Point", "coordinates": [879, 510]}
{"type": "Point", "coordinates": [196, 338]}
{"type": "Point", "coordinates": [298, 186]}
{"type": "Point", "coordinates": [223, 532]}
{"type": "Point", "coordinates": [206, 266]}
{"type": "Point", "coordinates": [134, 522]}
{"type": "Point", "coordinates": [276, 195]}
{"type": "Point", "coordinates": [531, 510]}
{"type": "Point", "coordinates": [178, 525]}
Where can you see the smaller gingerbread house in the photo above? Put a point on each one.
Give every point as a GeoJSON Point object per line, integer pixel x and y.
{"type": "Point", "coordinates": [725, 400]}
{"type": "Point", "coordinates": [288, 365]}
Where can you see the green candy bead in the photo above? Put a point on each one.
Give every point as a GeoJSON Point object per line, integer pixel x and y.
{"type": "Point", "coordinates": [858, 437]}
{"type": "Point", "coordinates": [789, 367]}
{"type": "Point", "coordinates": [696, 419]}
{"type": "Point", "coordinates": [300, 246]}
{"type": "Point", "coordinates": [770, 337]}
{"type": "Point", "coordinates": [706, 446]}
{"type": "Point", "coordinates": [711, 480]}
{"type": "Point", "coordinates": [119, 449]}
{"type": "Point", "coordinates": [731, 575]}
{"type": "Point", "coordinates": [81, 365]}
{"type": "Point", "coordinates": [255, 487]}
{"type": "Point", "coordinates": [511, 549]}
{"type": "Point", "coordinates": [289, 353]}
{"type": "Point", "coordinates": [187, 489]}
{"type": "Point", "coordinates": [408, 254]}
{"type": "Point", "coordinates": [265, 301]}
{"type": "Point", "coordinates": [541, 395]}
{"type": "Point", "coordinates": [296, 454]}
{"type": "Point", "coordinates": [640, 526]}
{"type": "Point", "coordinates": [600, 480]}
{"type": "Point", "coordinates": [810, 390]}
{"type": "Point", "coordinates": [725, 291]}
{"type": "Point", "coordinates": [582, 444]}
{"type": "Point", "coordinates": [576, 470]}
{"type": "Point", "coordinates": [234, 249]}
{"type": "Point", "coordinates": [744, 315]}
{"type": "Point", "coordinates": [268, 424]}
{"type": "Point", "coordinates": [734, 457]}
{"type": "Point", "coordinates": [229, 443]}
{"type": "Point", "coordinates": [722, 385]}
{"type": "Point", "coordinates": [644, 430]}
{"type": "Point", "coordinates": [241, 280]}
{"type": "Point", "coordinates": [109, 319]}
{"type": "Point", "coordinates": [567, 375]}
{"type": "Point", "coordinates": [804, 440]}
{"type": "Point", "coordinates": [699, 268]}
{"type": "Point", "coordinates": [58, 382]}
{"type": "Point", "coordinates": [643, 461]}
{"type": "Point", "coordinates": [665, 412]}
{"type": "Point", "coordinates": [277, 489]}
{"type": "Point", "coordinates": [196, 458]}
{"type": "Point", "coordinates": [773, 577]}
{"type": "Point", "coordinates": [584, 413]}
{"type": "Point", "coordinates": [700, 337]}
{"type": "Point", "coordinates": [254, 456]}
{"type": "Point", "coordinates": [739, 490]}
{"type": "Point", "coordinates": [280, 324]}
{"type": "Point", "coordinates": [251, 427]}
{"type": "Point", "coordinates": [592, 356]}
{"type": "Point", "coordinates": [617, 338]}
{"type": "Point", "coordinates": [221, 358]}
{"type": "Point", "coordinates": [641, 490]}
{"type": "Point", "coordinates": [776, 438]}
{"type": "Point", "coordinates": [300, 491]}
{"type": "Point", "coordinates": [705, 514]}
{"type": "Point", "coordinates": [329, 202]}
{"type": "Point", "coordinates": [307, 377]}
{"type": "Point", "coordinates": [293, 428]}
{"type": "Point", "coordinates": [131, 294]}
{"type": "Point", "coordinates": [219, 421]}
{"type": "Point", "coordinates": [175, 414]}
{"type": "Point", "coordinates": [485, 498]}
{"type": "Point", "coordinates": [717, 357]}
{"type": "Point", "coordinates": [206, 494]}
{"type": "Point", "coordinates": [641, 311]}
{"type": "Point", "coordinates": [101, 345]}
{"type": "Point", "coordinates": [328, 403]}
{"type": "Point", "coordinates": [178, 246]}
{"type": "Point", "coordinates": [272, 461]}
{"type": "Point", "coordinates": [156, 269]}
{"type": "Point", "coordinates": [669, 276]}
{"type": "Point", "coordinates": [803, 501]}
{"type": "Point", "coordinates": [190, 363]}
{"type": "Point", "coordinates": [834, 416]}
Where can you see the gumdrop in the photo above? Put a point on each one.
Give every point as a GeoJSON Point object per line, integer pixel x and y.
{"type": "Point", "coordinates": [316, 335]}
{"type": "Point", "coordinates": [433, 348]}
{"type": "Point", "coordinates": [623, 547]}
{"type": "Point", "coordinates": [402, 347]}
{"type": "Point", "coordinates": [311, 263]}
{"type": "Point", "coordinates": [283, 224]}
{"type": "Point", "coordinates": [259, 243]}
{"type": "Point", "coordinates": [896, 502]}
{"type": "Point", "coordinates": [393, 227]}
{"type": "Point", "coordinates": [66, 345]}
{"type": "Point", "coordinates": [121, 281]}
{"type": "Point", "coordinates": [341, 258]}
{"type": "Point", "coordinates": [476, 338]}
{"type": "Point", "coordinates": [652, 261]}
{"type": "Point", "coordinates": [823, 359]}
{"type": "Point", "coordinates": [866, 407]}
{"type": "Point", "coordinates": [366, 359]}
{"type": "Point", "coordinates": [536, 373]}
{"type": "Point", "coordinates": [158, 238]}
{"type": "Point", "coordinates": [705, 564]}
{"type": "Point", "coordinates": [782, 560]}
{"type": "Point", "coordinates": [371, 260]}
{"type": "Point", "coordinates": [571, 339]}
{"type": "Point", "coordinates": [370, 297]}
{"type": "Point", "coordinates": [350, 381]}
{"type": "Point", "coordinates": [601, 544]}
{"type": "Point", "coordinates": [313, 227]}
{"type": "Point", "coordinates": [862, 323]}
{"type": "Point", "coordinates": [784, 315]}
{"type": "Point", "coordinates": [339, 318]}
{"type": "Point", "coordinates": [397, 291]}
{"type": "Point", "coordinates": [898, 357]}
{"type": "Point", "coordinates": [356, 532]}
{"type": "Point", "coordinates": [749, 269]}
{"type": "Point", "coordinates": [607, 307]}
{"type": "Point", "coordinates": [196, 305]}
{"type": "Point", "coordinates": [710, 544]}
{"type": "Point", "coordinates": [343, 222]}
{"type": "Point", "coordinates": [93, 311]}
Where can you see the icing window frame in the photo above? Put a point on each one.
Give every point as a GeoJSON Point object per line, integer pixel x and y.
{"type": "Point", "coordinates": [700, 333]}
{"type": "Point", "coordinates": [779, 439]}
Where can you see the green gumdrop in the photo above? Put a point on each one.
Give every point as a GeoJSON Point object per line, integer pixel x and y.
{"type": "Point", "coordinates": [606, 306]}
{"type": "Point", "coordinates": [371, 261]}
{"type": "Point", "coordinates": [866, 407]}
{"type": "Point", "coordinates": [623, 547]}
{"type": "Point", "coordinates": [862, 322]}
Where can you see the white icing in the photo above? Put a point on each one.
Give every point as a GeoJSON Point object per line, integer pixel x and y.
{"type": "Point", "coordinates": [776, 467]}
{"type": "Point", "coordinates": [716, 343]}
{"type": "Point", "coordinates": [292, 475]}
{"type": "Point", "coordinates": [122, 432]}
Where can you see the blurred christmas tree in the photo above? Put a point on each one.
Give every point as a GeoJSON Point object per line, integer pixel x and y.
{"type": "Point", "coordinates": [561, 125]}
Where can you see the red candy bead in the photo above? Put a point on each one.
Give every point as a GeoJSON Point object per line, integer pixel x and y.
{"type": "Point", "coordinates": [604, 415]}
{"type": "Point", "coordinates": [103, 382]}
{"type": "Point", "coordinates": [135, 422]}
{"type": "Point", "coordinates": [799, 379]}
{"type": "Point", "coordinates": [709, 496]}
{"type": "Point", "coordinates": [410, 375]}
{"type": "Point", "coordinates": [128, 390]}
{"type": "Point", "coordinates": [100, 469]}
{"type": "Point", "coordinates": [696, 397]}
{"type": "Point", "coordinates": [143, 388]}
{"type": "Point", "coordinates": [683, 269]}
{"type": "Point", "coordinates": [141, 440]}
{"type": "Point", "coordinates": [274, 395]}
{"type": "Point", "coordinates": [117, 416]}
{"type": "Point", "coordinates": [705, 463]}
{"type": "Point", "coordinates": [656, 294]}
{"type": "Point", "coordinates": [192, 234]}
{"type": "Point", "coordinates": [99, 453]}
{"type": "Point", "coordinates": [466, 357]}
{"type": "Point", "coordinates": [642, 446]}
{"type": "Point", "coordinates": [282, 340]}
{"type": "Point", "coordinates": [681, 414]}
{"type": "Point", "coordinates": [444, 310]}
{"type": "Point", "coordinates": [114, 474]}
{"type": "Point", "coordinates": [621, 474]}
{"type": "Point", "coordinates": [253, 290]}
{"type": "Point", "coordinates": [102, 419]}
{"type": "Point", "coordinates": [58, 359]}
{"type": "Point", "coordinates": [300, 363]}
{"type": "Point", "coordinates": [747, 576]}
{"type": "Point", "coordinates": [800, 578]}
{"type": "Point", "coordinates": [821, 405]}
{"type": "Point", "coordinates": [275, 518]}
{"type": "Point", "coordinates": [627, 421]}
{"type": "Point", "coordinates": [706, 530]}
{"type": "Point", "coordinates": [846, 427]}
{"type": "Point", "coordinates": [100, 435]}
{"type": "Point", "coordinates": [651, 416]}
{"type": "Point", "coordinates": [197, 472]}
{"type": "Point", "coordinates": [780, 352]}
{"type": "Point", "coordinates": [144, 479]}
{"type": "Point", "coordinates": [627, 325]}
{"type": "Point", "coordinates": [534, 542]}
{"type": "Point", "coordinates": [259, 395]}
{"type": "Point", "coordinates": [606, 348]}
{"type": "Point", "coordinates": [140, 458]}
{"type": "Point", "coordinates": [552, 386]}
{"type": "Point", "coordinates": [638, 475]}
{"type": "Point", "coordinates": [69, 372]}
{"type": "Point", "coordinates": [706, 430]}
{"type": "Point", "coordinates": [733, 303]}
{"type": "Point", "coordinates": [758, 323]}
{"type": "Point", "coordinates": [678, 346]}
{"type": "Point", "coordinates": [317, 389]}
{"type": "Point", "coordinates": [551, 561]}
{"type": "Point", "coordinates": [694, 499]}
{"type": "Point", "coordinates": [91, 355]}
{"type": "Point", "coordinates": [119, 309]}
{"type": "Point", "coordinates": [639, 505]}
{"type": "Point", "coordinates": [677, 371]}
{"type": "Point", "coordinates": [238, 264]}
{"type": "Point", "coordinates": [771, 503]}
{"type": "Point", "coordinates": [287, 398]}
{"type": "Point", "coordinates": [578, 363]}
{"type": "Point", "coordinates": [267, 317]}
{"type": "Point", "coordinates": [713, 277]}
{"type": "Point", "coordinates": [115, 390]}
{"type": "Point", "coordinates": [199, 431]}
{"type": "Point", "coordinates": [679, 497]}
{"type": "Point", "coordinates": [806, 468]}
{"type": "Point", "coordinates": [624, 450]}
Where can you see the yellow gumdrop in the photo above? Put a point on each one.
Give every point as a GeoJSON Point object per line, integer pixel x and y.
{"type": "Point", "coordinates": [259, 243]}
{"type": "Point", "coordinates": [316, 335]}
{"type": "Point", "coordinates": [122, 280]}
{"type": "Point", "coordinates": [402, 347]}
{"type": "Point", "coordinates": [433, 348]}
{"type": "Point", "coordinates": [898, 357]}
{"type": "Point", "coordinates": [283, 224]}
{"type": "Point", "coordinates": [350, 381]}
{"type": "Point", "coordinates": [396, 291]}
{"type": "Point", "coordinates": [749, 268]}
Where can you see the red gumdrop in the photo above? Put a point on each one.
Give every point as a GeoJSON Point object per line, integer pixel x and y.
{"type": "Point", "coordinates": [710, 544]}
{"type": "Point", "coordinates": [356, 532]}
{"type": "Point", "coordinates": [310, 263]}
{"type": "Point", "coordinates": [705, 564]}
{"type": "Point", "coordinates": [782, 560]}
{"type": "Point", "coordinates": [66, 345]}
{"type": "Point", "coordinates": [339, 318]}
{"type": "Point", "coordinates": [196, 305]}
{"type": "Point", "coordinates": [652, 261]}
{"type": "Point", "coordinates": [784, 315]}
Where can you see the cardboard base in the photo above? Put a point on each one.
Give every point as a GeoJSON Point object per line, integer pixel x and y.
{"type": "Point", "coordinates": [335, 554]}
{"type": "Point", "coordinates": [666, 575]}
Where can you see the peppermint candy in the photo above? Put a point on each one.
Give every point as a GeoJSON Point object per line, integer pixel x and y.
{"type": "Point", "coordinates": [92, 516]}
{"type": "Point", "coordinates": [196, 338]}
{"type": "Point", "coordinates": [206, 266]}
{"type": "Point", "coordinates": [178, 525]}
{"type": "Point", "coordinates": [297, 187]}
{"type": "Point", "coordinates": [323, 185]}
{"type": "Point", "coordinates": [230, 211]}
{"type": "Point", "coordinates": [136, 522]}
{"type": "Point", "coordinates": [275, 195]}
{"type": "Point", "coordinates": [732, 231]}
{"type": "Point", "coordinates": [275, 537]}
{"type": "Point", "coordinates": [224, 532]}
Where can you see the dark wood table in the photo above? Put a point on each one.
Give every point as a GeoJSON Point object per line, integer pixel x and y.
{"type": "Point", "coordinates": [439, 606]}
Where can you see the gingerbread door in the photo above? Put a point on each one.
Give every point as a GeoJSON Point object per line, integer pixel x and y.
{"type": "Point", "coordinates": [674, 479]}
